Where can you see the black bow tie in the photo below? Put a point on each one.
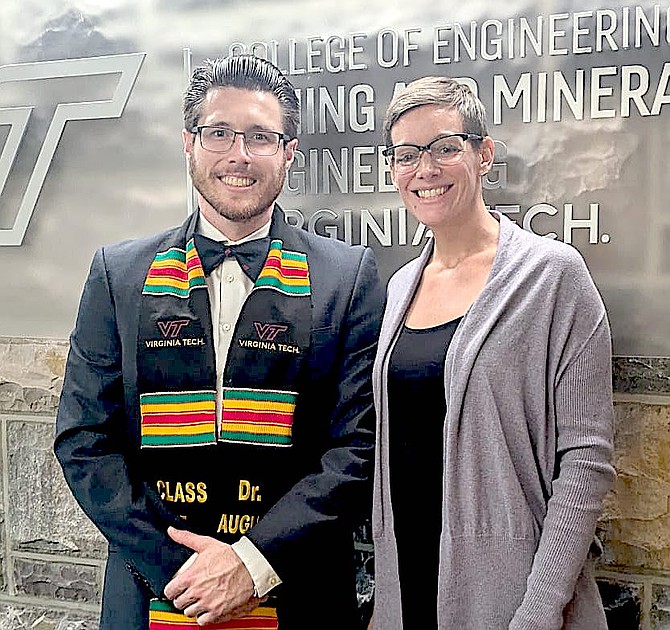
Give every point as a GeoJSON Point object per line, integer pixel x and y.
{"type": "Point", "coordinates": [250, 255]}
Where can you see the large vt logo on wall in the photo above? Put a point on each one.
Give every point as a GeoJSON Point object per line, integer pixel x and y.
{"type": "Point", "coordinates": [127, 66]}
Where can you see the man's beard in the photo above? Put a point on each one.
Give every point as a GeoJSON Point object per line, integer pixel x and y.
{"type": "Point", "coordinates": [263, 196]}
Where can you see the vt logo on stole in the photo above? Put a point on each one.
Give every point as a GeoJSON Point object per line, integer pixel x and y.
{"type": "Point", "coordinates": [268, 331]}
{"type": "Point", "coordinates": [171, 329]}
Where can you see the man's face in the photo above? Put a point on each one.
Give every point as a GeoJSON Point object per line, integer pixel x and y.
{"type": "Point", "coordinates": [237, 187]}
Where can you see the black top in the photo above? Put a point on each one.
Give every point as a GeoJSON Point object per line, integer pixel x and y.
{"type": "Point", "coordinates": [416, 421]}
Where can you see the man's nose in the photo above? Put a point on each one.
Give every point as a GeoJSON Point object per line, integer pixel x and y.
{"type": "Point", "coordinates": [239, 148]}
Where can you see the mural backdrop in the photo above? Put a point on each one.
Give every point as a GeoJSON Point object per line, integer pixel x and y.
{"type": "Point", "coordinates": [577, 96]}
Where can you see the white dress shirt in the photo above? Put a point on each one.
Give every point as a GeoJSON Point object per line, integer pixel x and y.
{"type": "Point", "coordinates": [228, 288]}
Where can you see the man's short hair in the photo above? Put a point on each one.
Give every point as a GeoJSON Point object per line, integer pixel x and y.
{"type": "Point", "coordinates": [437, 91]}
{"type": "Point", "coordinates": [246, 72]}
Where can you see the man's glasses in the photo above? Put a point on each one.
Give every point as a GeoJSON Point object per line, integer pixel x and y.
{"type": "Point", "coordinates": [445, 149]}
{"type": "Point", "coordinates": [221, 139]}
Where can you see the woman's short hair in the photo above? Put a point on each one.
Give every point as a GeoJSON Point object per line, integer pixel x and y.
{"type": "Point", "coordinates": [437, 91]}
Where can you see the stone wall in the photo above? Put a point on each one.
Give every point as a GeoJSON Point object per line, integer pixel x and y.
{"type": "Point", "coordinates": [635, 527]}
{"type": "Point", "coordinates": [52, 558]}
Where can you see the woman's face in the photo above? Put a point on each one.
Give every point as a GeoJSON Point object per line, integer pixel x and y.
{"type": "Point", "coordinates": [438, 194]}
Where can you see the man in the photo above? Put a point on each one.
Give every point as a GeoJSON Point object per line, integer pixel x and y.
{"type": "Point", "coordinates": [216, 415]}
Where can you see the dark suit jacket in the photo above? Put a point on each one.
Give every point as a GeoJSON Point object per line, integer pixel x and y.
{"type": "Point", "coordinates": [306, 535]}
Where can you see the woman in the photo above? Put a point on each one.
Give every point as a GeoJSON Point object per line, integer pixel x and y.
{"type": "Point", "coordinates": [493, 393]}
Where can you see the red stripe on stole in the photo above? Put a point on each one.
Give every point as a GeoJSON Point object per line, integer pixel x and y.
{"type": "Point", "coordinates": [257, 623]}
{"type": "Point", "coordinates": [193, 262]}
{"type": "Point", "coordinates": [251, 416]}
{"type": "Point", "coordinates": [169, 272]}
{"type": "Point", "coordinates": [286, 271]}
{"type": "Point", "coordinates": [177, 418]}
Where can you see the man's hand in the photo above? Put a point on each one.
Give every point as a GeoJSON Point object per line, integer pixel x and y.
{"type": "Point", "coordinates": [213, 585]}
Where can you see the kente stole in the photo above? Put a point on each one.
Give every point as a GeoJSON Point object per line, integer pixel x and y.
{"type": "Point", "coordinates": [163, 616]}
{"type": "Point", "coordinates": [221, 476]}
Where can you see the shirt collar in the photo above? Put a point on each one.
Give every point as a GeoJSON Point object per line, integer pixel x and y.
{"type": "Point", "coordinates": [205, 228]}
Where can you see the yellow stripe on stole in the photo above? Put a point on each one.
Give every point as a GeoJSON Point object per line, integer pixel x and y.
{"type": "Point", "coordinates": [252, 427]}
{"type": "Point", "coordinates": [168, 262]}
{"type": "Point", "coordinates": [162, 281]}
{"type": "Point", "coordinates": [168, 617]}
{"type": "Point", "coordinates": [173, 617]}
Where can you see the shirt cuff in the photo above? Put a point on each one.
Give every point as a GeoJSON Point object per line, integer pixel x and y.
{"type": "Point", "coordinates": [262, 573]}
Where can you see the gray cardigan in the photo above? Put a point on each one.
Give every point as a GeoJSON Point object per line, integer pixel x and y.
{"type": "Point", "coordinates": [527, 445]}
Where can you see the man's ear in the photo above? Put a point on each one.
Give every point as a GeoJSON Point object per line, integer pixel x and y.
{"type": "Point", "coordinates": [188, 138]}
{"type": "Point", "coordinates": [289, 152]}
